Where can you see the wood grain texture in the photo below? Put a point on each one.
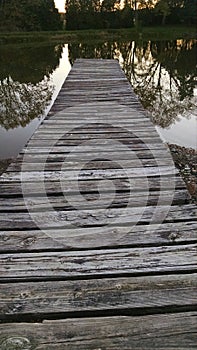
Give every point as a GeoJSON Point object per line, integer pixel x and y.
{"type": "Point", "coordinates": [75, 218]}
{"type": "Point", "coordinates": [55, 265]}
{"type": "Point", "coordinates": [98, 174]}
{"type": "Point", "coordinates": [108, 200]}
{"type": "Point", "coordinates": [94, 164]}
{"type": "Point", "coordinates": [131, 294]}
{"type": "Point", "coordinates": [111, 237]}
{"type": "Point", "coordinates": [104, 154]}
{"type": "Point", "coordinates": [173, 331]}
{"type": "Point", "coordinates": [14, 188]}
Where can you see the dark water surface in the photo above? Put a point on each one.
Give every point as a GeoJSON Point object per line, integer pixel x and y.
{"type": "Point", "coordinates": [162, 73]}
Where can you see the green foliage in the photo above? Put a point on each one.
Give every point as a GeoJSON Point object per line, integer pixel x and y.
{"type": "Point", "coordinates": [110, 5]}
{"type": "Point", "coordinates": [163, 8]}
{"type": "Point", "coordinates": [41, 15]}
{"type": "Point", "coordinates": [190, 11]}
{"type": "Point", "coordinates": [25, 15]}
{"type": "Point", "coordinates": [176, 11]}
{"type": "Point", "coordinates": [146, 33]}
{"type": "Point", "coordinates": [94, 14]}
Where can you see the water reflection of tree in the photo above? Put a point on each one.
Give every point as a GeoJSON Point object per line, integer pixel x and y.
{"type": "Point", "coordinates": [22, 102]}
{"type": "Point", "coordinates": [25, 88]}
{"type": "Point", "coordinates": [91, 50]}
{"type": "Point", "coordinates": [162, 73]}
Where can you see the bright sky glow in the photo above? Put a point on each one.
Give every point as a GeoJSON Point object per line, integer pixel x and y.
{"type": "Point", "coordinates": [60, 4]}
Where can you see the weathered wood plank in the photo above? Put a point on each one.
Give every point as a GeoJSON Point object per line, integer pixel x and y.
{"type": "Point", "coordinates": [136, 131]}
{"type": "Point", "coordinates": [131, 294]}
{"type": "Point", "coordinates": [139, 154]}
{"type": "Point", "coordinates": [106, 200]}
{"type": "Point", "coordinates": [50, 218]}
{"type": "Point", "coordinates": [14, 188]}
{"type": "Point", "coordinates": [69, 118]}
{"type": "Point", "coordinates": [94, 164]}
{"type": "Point", "coordinates": [116, 134]}
{"type": "Point", "coordinates": [85, 264]}
{"type": "Point", "coordinates": [109, 236]}
{"type": "Point", "coordinates": [68, 125]}
{"type": "Point", "coordinates": [104, 116]}
{"type": "Point", "coordinates": [102, 150]}
{"type": "Point", "coordinates": [99, 174]}
{"type": "Point", "coordinates": [173, 331]}
{"type": "Point", "coordinates": [126, 141]}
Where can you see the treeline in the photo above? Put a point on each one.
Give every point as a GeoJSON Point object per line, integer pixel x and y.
{"type": "Point", "coordinates": [38, 15]}
{"type": "Point", "coordinates": [29, 15]}
{"type": "Point", "coordinates": [96, 14]}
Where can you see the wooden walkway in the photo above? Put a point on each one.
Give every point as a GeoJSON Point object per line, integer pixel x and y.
{"type": "Point", "coordinates": [97, 232]}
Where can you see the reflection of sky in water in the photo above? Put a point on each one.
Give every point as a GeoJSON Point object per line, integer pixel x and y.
{"type": "Point", "coordinates": [183, 132]}
{"type": "Point", "coordinates": [59, 75]}
{"type": "Point", "coordinates": [12, 141]}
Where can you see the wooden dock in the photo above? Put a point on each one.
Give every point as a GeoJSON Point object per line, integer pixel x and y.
{"type": "Point", "coordinates": [97, 232]}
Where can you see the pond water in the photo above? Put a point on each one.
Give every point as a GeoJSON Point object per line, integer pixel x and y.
{"type": "Point", "coordinates": [162, 73]}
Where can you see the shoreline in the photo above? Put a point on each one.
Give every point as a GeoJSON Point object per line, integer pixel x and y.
{"type": "Point", "coordinates": [185, 160]}
{"type": "Point", "coordinates": [70, 36]}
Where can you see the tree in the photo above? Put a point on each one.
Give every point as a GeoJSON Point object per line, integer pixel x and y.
{"type": "Point", "coordinates": [26, 15]}
{"type": "Point", "coordinates": [85, 14]}
{"type": "Point", "coordinates": [148, 4]}
{"type": "Point", "coordinates": [110, 13]}
{"type": "Point", "coordinates": [82, 14]}
{"type": "Point", "coordinates": [126, 15]}
{"type": "Point", "coordinates": [190, 12]}
{"type": "Point", "coordinates": [110, 5]}
{"type": "Point", "coordinates": [163, 8]}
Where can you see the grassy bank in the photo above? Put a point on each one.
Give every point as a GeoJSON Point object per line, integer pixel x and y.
{"type": "Point", "coordinates": [146, 33]}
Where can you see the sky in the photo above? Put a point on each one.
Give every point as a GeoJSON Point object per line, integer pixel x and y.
{"type": "Point", "coordinates": [59, 4]}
